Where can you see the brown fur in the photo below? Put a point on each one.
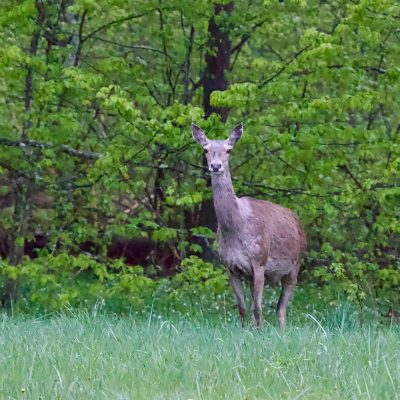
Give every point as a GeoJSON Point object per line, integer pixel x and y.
{"type": "Point", "coordinates": [257, 239]}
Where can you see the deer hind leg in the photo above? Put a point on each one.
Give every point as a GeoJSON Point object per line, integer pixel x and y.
{"type": "Point", "coordinates": [236, 284]}
{"type": "Point", "coordinates": [257, 294]}
{"type": "Point", "coordinates": [288, 285]}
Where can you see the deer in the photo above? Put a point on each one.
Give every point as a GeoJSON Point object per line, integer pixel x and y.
{"type": "Point", "coordinates": [258, 241]}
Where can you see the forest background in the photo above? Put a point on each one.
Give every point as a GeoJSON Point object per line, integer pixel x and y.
{"type": "Point", "coordinates": [105, 200]}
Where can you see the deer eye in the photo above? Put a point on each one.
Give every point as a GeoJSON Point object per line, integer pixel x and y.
{"type": "Point", "coordinates": [205, 151]}
{"type": "Point", "coordinates": [228, 151]}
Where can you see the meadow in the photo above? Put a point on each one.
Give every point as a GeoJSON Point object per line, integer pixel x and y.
{"type": "Point", "coordinates": [88, 356]}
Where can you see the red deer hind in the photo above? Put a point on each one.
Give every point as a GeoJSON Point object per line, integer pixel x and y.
{"type": "Point", "coordinates": [257, 240]}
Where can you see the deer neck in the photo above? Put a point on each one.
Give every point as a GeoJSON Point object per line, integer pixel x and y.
{"type": "Point", "coordinates": [225, 201]}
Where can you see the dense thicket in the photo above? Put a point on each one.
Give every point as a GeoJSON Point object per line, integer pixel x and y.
{"type": "Point", "coordinates": [96, 101]}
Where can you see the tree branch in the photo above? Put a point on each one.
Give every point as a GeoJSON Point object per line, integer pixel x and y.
{"type": "Point", "coordinates": [44, 145]}
{"type": "Point", "coordinates": [133, 47]}
{"type": "Point", "coordinates": [80, 40]}
{"type": "Point", "coordinates": [117, 21]}
{"type": "Point", "coordinates": [283, 68]}
{"type": "Point", "coordinates": [347, 170]}
{"type": "Point", "coordinates": [40, 18]}
{"type": "Point", "coordinates": [247, 36]}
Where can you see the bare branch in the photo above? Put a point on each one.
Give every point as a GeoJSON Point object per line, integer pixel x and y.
{"type": "Point", "coordinates": [133, 47]}
{"type": "Point", "coordinates": [186, 66]}
{"type": "Point", "coordinates": [44, 145]}
{"type": "Point", "coordinates": [247, 36]}
{"type": "Point", "coordinates": [283, 68]}
{"type": "Point", "coordinates": [347, 170]}
{"type": "Point", "coordinates": [41, 16]}
{"type": "Point", "coordinates": [80, 40]}
{"type": "Point", "coordinates": [115, 22]}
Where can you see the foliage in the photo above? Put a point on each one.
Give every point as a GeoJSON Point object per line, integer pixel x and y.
{"type": "Point", "coordinates": [101, 94]}
{"type": "Point", "coordinates": [53, 283]}
{"type": "Point", "coordinates": [57, 282]}
{"type": "Point", "coordinates": [197, 286]}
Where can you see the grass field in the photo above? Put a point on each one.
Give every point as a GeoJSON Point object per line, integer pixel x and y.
{"type": "Point", "coordinates": [103, 357]}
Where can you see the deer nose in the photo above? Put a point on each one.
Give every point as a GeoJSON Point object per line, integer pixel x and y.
{"type": "Point", "coordinates": [216, 165]}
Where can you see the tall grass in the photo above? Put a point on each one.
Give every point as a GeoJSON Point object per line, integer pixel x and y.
{"type": "Point", "coordinates": [105, 357]}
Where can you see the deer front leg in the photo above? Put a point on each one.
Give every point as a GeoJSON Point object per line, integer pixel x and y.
{"type": "Point", "coordinates": [236, 284]}
{"type": "Point", "coordinates": [257, 292]}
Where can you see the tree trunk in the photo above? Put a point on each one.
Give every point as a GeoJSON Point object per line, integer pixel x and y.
{"type": "Point", "coordinates": [22, 207]}
{"type": "Point", "coordinates": [217, 61]}
{"type": "Point", "coordinates": [23, 183]}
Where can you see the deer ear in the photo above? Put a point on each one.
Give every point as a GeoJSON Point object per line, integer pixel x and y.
{"type": "Point", "coordinates": [236, 134]}
{"type": "Point", "coordinates": [198, 135]}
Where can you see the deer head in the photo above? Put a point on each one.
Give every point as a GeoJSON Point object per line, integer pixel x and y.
{"type": "Point", "coordinates": [217, 151]}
